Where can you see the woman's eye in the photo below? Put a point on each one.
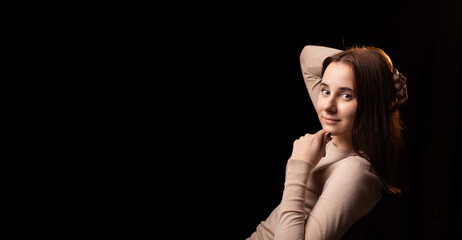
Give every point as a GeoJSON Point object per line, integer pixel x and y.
{"type": "Point", "coordinates": [346, 96]}
{"type": "Point", "coordinates": [325, 92]}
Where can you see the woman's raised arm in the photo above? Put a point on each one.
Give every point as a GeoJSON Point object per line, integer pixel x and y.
{"type": "Point", "coordinates": [311, 60]}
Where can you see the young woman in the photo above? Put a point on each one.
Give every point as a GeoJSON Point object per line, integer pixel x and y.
{"type": "Point", "coordinates": [337, 175]}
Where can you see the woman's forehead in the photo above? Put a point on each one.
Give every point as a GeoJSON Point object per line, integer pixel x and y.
{"type": "Point", "coordinates": [339, 75]}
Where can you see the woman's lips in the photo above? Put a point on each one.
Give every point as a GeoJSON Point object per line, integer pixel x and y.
{"type": "Point", "coordinates": [330, 121]}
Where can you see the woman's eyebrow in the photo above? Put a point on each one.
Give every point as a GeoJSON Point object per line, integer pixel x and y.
{"type": "Point", "coordinates": [342, 88]}
{"type": "Point", "coordinates": [346, 89]}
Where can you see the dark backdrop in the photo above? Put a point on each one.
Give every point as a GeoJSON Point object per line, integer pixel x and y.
{"type": "Point", "coordinates": [132, 118]}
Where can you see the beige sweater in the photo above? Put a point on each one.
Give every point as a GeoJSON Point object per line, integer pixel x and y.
{"type": "Point", "coordinates": [325, 201]}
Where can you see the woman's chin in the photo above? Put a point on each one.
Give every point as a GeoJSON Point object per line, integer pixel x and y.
{"type": "Point", "coordinates": [330, 130]}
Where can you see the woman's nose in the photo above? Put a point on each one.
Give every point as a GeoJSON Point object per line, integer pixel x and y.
{"type": "Point", "coordinates": [330, 104]}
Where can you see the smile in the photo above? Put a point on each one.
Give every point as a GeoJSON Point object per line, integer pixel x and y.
{"type": "Point", "coordinates": [330, 121]}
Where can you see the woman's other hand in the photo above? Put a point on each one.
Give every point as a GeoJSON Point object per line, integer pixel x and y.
{"type": "Point", "coordinates": [400, 86]}
{"type": "Point", "coordinates": [311, 147]}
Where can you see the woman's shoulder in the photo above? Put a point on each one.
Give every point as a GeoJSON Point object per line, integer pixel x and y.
{"type": "Point", "coordinates": [355, 167]}
{"type": "Point", "coordinates": [355, 161]}
{"type": "Point", "coordinates": [355, 172]}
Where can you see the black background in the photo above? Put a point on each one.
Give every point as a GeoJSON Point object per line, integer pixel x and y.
{"type": "Point", "coordinates": [133, 119]}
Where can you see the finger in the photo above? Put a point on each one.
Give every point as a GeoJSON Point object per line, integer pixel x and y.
{"type": "Point", "coordinates": [329, 136]}
{"type": "Point", "coordinates": [402, 78]}
{"type": "Point", "coordinates": [398, 86]}
{"type": "Point", "coordinates": [403, 98]}
{"type": "Point", "coordinates": [320, 134]}
{"type": "Point", "coordinates": [400, 93]}
{"type": "Point", "coordinates": [321, 137]}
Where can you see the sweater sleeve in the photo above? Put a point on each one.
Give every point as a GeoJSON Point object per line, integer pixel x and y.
{"type": "Point", "coordinates": [350, 193]}
{"type": "Point", "coordinates": [290, 222]}
{"type": "Point", "coordinates": [311, 59]}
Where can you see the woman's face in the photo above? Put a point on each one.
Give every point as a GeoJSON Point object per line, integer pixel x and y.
{"type": "Point", "coordinates": [336, 105]}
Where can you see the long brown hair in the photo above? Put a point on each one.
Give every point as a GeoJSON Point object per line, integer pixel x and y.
{"type": "Point", "coordinates": [377, 129]}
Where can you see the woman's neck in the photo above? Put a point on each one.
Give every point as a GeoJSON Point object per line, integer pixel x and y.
{"type": "Point", "coordinates": [343, 143]}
